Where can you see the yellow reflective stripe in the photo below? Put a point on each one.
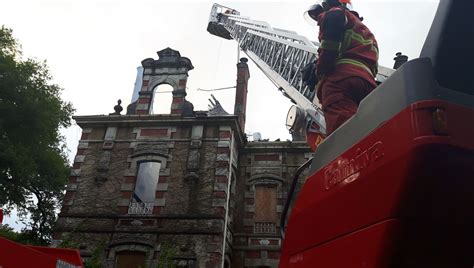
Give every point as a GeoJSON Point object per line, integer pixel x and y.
{"type": "Point", "coordinates": [356, 63]}
{"type": "Point", "coordinates": [350, 34]}
{"type": "Point", "coordinates": [330, 45]}
{"type": "Point", "coordinates": [347, 40]}
{"type": "Point", "coordinates": [360, 38]}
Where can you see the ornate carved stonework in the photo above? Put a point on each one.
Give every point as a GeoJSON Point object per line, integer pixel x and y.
{"type": "Point", "coordinates": [103, 167]}
{"type": "Point", "coordinates": [168, 58]}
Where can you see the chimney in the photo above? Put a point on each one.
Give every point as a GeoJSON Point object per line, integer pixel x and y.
{"type": "Point", "coordinates": [399, 59]}
{"type": "Point", "coordinates": [243, 76]}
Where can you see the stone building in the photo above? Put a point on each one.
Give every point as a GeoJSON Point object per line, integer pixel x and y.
{"type": "Point", "coordinates": [185, 187]}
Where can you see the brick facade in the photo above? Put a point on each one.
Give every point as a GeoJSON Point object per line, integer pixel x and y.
{"type": "Point", "coordinates": [270, 165]}
{"type": "Point", "coordinates": [202, 204]}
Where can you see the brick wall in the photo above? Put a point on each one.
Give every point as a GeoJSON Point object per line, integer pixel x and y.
{"type": "Point", "coordinates": [265, 172]}
{"type": "Point", "coordinates": [190, 198]}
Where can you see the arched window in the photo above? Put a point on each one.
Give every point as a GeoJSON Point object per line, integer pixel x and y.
{"type": "Point", "coordinates": [143, 197]}
{"type": "Point", "coordinates": [162, 99]}
{"type": "Point", "coordinates": [130, 253]}
{"type": "Point", "coordinates": [130, 259]}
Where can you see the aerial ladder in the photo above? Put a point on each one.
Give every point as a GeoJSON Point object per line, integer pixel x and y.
{"type": "Point", "coordinates": [281, 55]}
{"type": "Point", "coordinates": [393, 186]}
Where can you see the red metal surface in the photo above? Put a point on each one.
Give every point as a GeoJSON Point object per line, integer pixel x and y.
{"type": "Point", "coordinates": [314, 139]}
{"type": "Point", "coordinates": [16, 255]}
{"type": "Point", "coordinates": [329, 254]}
{"type": "Point", "coordinates": [401, 197]}
{"type": "Point", "coordinates": [71, 256]}
{"type": "Point", "coordinates": [13, 255]}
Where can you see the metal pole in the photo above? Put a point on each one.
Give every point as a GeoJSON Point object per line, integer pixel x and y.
{"type": "Point", "coordinates": [238, 52]}
{"type": "Point", "coordinates": [229, 184]}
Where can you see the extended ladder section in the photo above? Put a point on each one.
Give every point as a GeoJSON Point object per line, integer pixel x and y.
{"type": "Point", "coordinates": [281, 55]}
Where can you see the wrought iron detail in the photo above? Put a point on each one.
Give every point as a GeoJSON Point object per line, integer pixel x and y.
{"type": "Point", "coordinates": [264, 228]}
{"type": "Point", "coordinates": [140, 208]}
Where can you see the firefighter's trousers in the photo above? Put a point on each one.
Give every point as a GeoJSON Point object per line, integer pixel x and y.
{"type": "Point", "coordinates": [341, 98]}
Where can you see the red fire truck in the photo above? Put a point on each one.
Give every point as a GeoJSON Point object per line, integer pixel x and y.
{"type": "Point", "coordinates": [13, 255]}
{"type": "Point", "coordinates": [394, 185]}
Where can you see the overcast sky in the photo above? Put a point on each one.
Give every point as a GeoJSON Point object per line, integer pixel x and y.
{"type": "Point", "coordinates": [93, 47]}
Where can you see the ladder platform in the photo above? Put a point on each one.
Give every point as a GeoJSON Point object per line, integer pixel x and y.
{"type": "Point", "coordinates": [218, 30]}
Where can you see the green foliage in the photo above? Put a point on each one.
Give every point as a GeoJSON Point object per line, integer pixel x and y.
{"type": "Point", "coordinates": [25, 237]}
{"type": "Point", "coordinates": [167, 254]}
{"type": "Point", "coordinates": [95, 260]}
{"type": "Point", "coordinates": [33, 164]}
{"type": "Point", "coordinates": [72, 239]}
{"type": "Point", "coordinates": [8, 233]}
{"type": "Point", "coordinates": [68, 242]}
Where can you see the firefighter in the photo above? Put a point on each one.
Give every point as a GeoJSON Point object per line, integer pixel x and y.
{"type": "Point", "coordinates": [347, 60]}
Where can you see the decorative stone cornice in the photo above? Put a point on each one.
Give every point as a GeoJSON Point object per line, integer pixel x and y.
{"type": "Point", "coordinates": [168, 58]}
{"type": "Point", "coordinates": [276, 146]}
{"type": "Point", "coordinates": [91, 121]}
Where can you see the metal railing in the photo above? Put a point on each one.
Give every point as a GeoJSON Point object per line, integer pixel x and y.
{"type": "Point", "coordinates": [289, 198]}
{"type": "Point", "coordinates": [138, 208]}
{"type": "Point", "coordinates": [264, 228]}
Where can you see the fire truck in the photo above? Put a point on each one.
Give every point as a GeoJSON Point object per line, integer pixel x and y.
{"type": "Point", "coordinates": [17, 255]}
{"type": "Point", "coordinates": [394, 185]}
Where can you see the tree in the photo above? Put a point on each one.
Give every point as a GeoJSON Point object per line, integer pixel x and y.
{"type": "Point", "coordinates": [33, 163]}
{"type": "Point", "coordinates": [20, 237]}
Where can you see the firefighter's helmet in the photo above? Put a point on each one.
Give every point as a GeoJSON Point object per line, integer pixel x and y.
{"type": "Point", "coordinates": [324, 5]}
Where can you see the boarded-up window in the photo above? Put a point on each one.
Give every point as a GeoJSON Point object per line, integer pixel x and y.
{"type": "Point", "coordinates": [265, 203]}
{"type": "Point", "coordinates": [130, 259]}
{"type": "Point", "coordinates": [265, 208]}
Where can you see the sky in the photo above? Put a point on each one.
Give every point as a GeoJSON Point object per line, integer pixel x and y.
{"type": "Point", "coordinates": [93, 47]}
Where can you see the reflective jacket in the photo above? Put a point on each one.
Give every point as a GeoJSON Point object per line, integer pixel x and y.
{"type": "Point", "coordinates": [347, 49]}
